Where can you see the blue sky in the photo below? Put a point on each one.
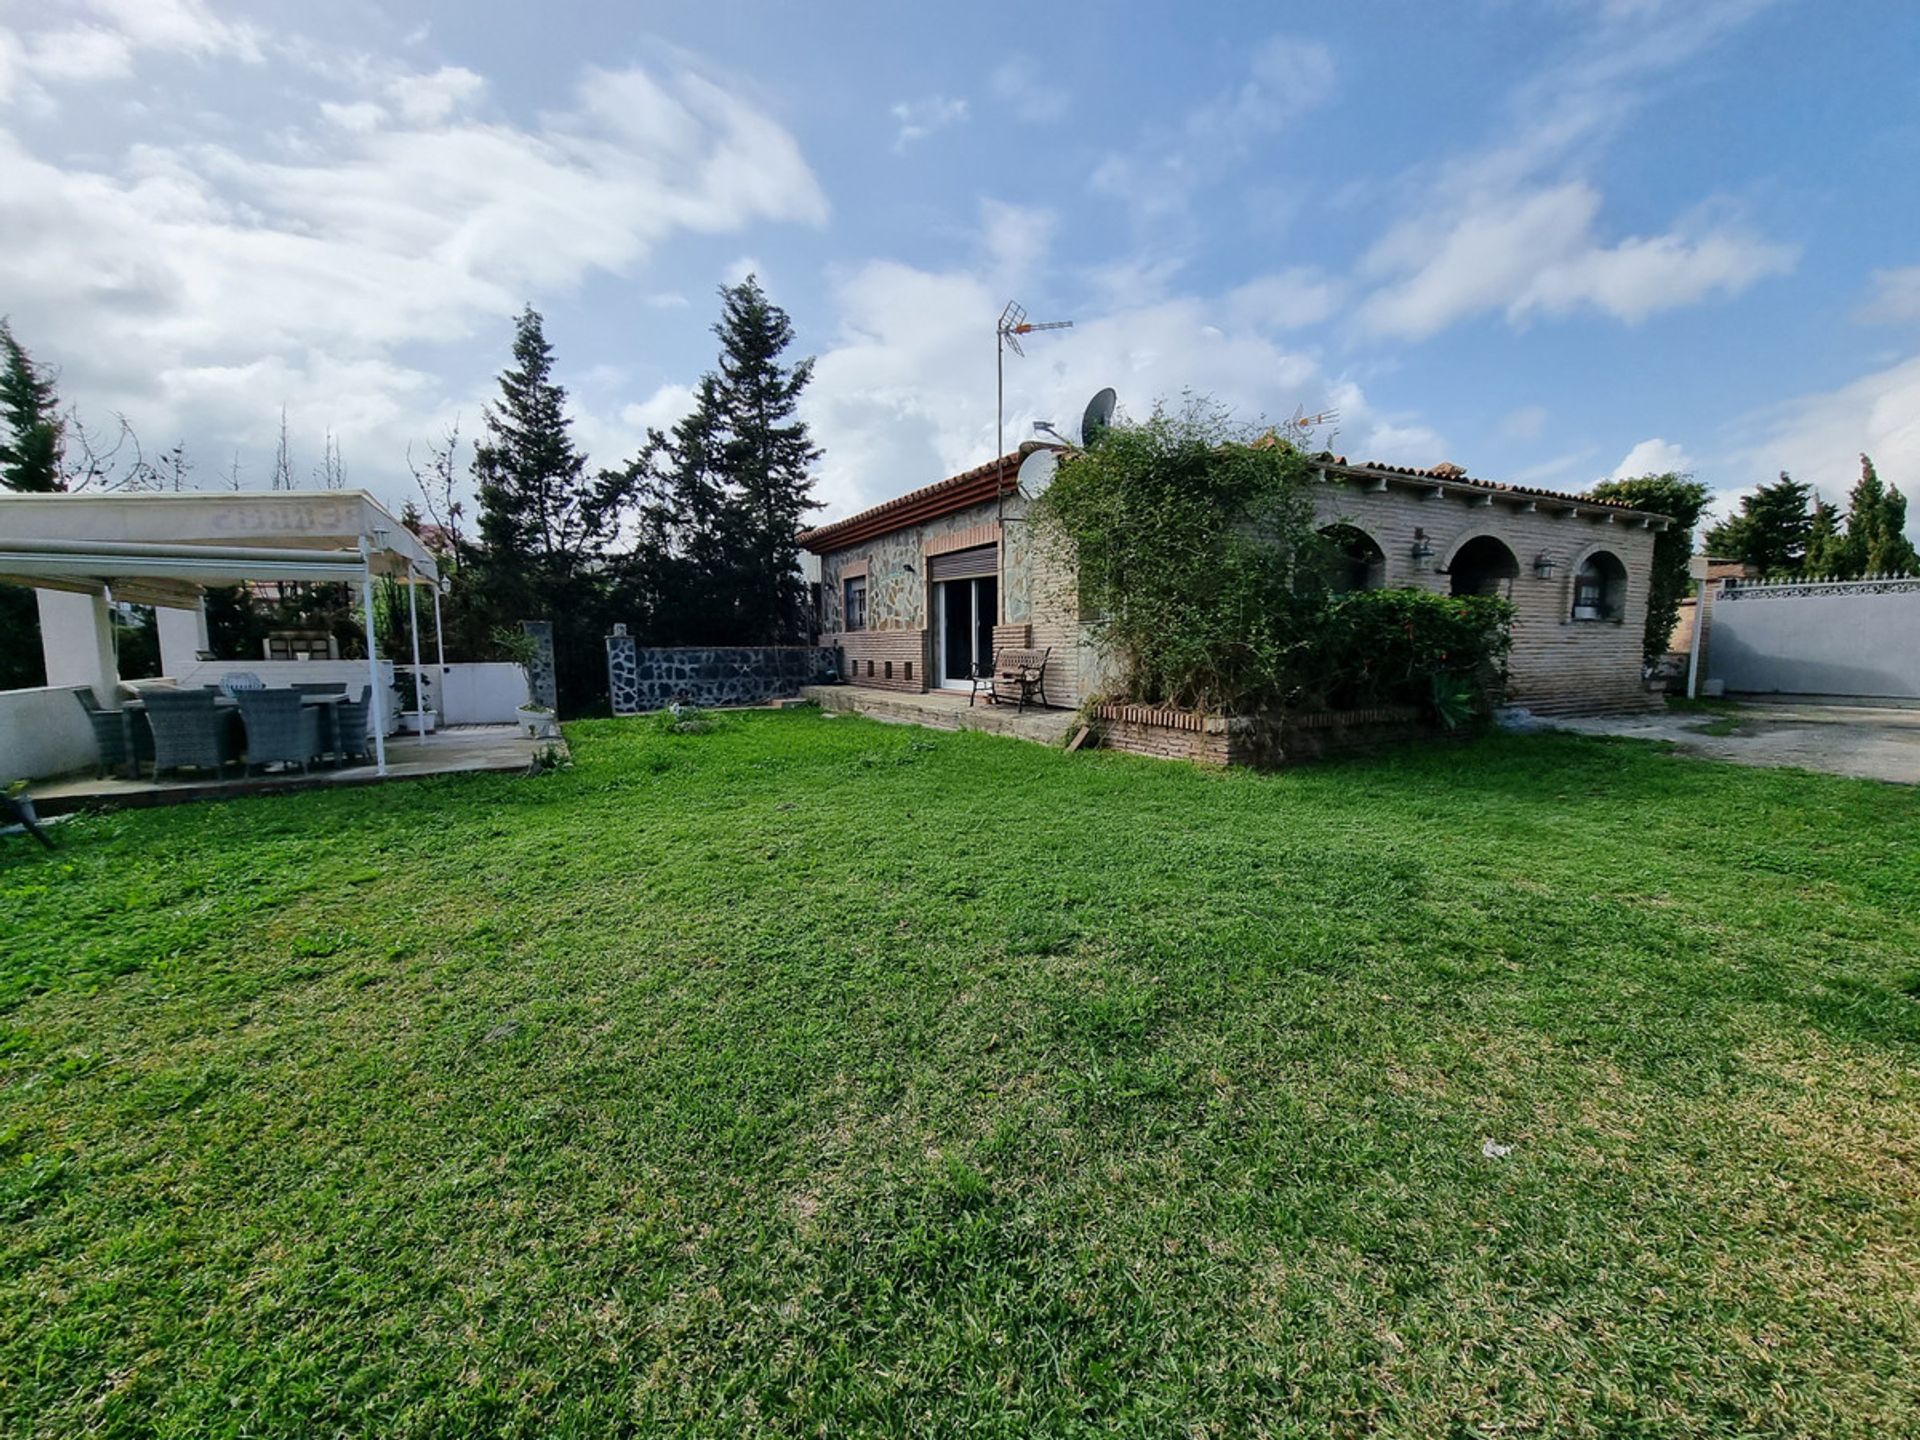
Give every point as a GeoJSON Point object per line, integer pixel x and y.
{"type": "Point", "coordinates": [1547, 241]}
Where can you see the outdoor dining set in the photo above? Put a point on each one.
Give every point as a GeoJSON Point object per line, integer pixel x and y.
{"type": "Point", "coordinates": [237, 722]}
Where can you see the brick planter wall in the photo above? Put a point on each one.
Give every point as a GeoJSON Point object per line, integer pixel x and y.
{"type": "Point", "coordinates": [1265, 741]}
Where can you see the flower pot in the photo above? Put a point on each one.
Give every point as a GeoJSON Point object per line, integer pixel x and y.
{"type": "Point", "coordinates": [540, 724]}
{"type": "Point", "coordinates": [419, 722]}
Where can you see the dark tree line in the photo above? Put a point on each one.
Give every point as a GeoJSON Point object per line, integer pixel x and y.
{"type": "Point", "coordinates": [1785, 530]}
{"type": "Point", "coordinates": [690, 542]}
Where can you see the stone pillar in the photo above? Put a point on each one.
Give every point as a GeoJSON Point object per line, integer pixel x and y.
{"type": "Point", "coordinates": [76, 638]}
{"type": "Point", "coordinates": [623, 672]}
{"type": "Point", "coordinates": [183, 635]}
{"type": "Point", "coordinates": [540, 673]}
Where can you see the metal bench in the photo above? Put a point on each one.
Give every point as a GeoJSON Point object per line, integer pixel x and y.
{"type": "Point", "coordinates": [1019, 676]}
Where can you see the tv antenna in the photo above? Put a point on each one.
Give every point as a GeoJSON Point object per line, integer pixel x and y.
{"type": "Point", "coordinates": [1013, 323]}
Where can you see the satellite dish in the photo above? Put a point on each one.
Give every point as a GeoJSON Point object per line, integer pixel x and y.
{"type": "Point", "coordinates": [1036, 473]}
{"type": "Point", "coordinates": [1098, 416]}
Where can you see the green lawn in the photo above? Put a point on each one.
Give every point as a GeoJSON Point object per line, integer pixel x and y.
{"type": "Point", "coordinates": [813, 1076]}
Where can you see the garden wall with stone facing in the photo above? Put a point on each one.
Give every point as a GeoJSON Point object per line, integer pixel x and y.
{"type": "Point", "coordinates": [1266, 742]}
{"type": "Point", "coordinates": [644, 678]}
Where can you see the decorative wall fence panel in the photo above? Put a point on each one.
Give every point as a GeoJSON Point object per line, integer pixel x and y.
{"type": "Point", "coordinates": [1854, 637]}
{"type": "Point", "coordinates": [643, 678]}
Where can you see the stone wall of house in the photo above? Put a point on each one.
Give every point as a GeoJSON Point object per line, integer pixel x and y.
{"type": "Point", "coordinates": [1039, 604]}
{"type": "Point", "coordinates": [642, 678]}
{"type": "Point", "coordinates": [1558, 663]}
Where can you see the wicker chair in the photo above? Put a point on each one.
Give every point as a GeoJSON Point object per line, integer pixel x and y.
{"type": "Point", "coordinates": [109, 733]}
{"type": "Point", "coordinates": [280, 728]}
{"type": "Point", "coordinates": [351, 722]}
{"type": "Point", "coordinates": [189, 728]}
{"type": "Point", "coordinates": [235, 681]}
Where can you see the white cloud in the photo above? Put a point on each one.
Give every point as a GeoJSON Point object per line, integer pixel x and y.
{"type": "Point", "coordinates": [1537, 254]}
{"type": "Point", "coordinates": [903, 395]}
{"type": "Point", "coordinates": [430, 99]}
{"type": "Point", "coordinates": [1895, 299]}
{"type": "Point", "coordinates": [1027, 90]}
{"type": "Point", "coordinates": [1653, 457]}
{"type": "Point", "coordinates": [1286, 77]}
{"type": "Point", "coordinates": [920, 118]}
{"type": "Point", "coordinates": [1818, 438]}
{"type": "Point", "coordinates": [1525, 423]}
{"type": "Point", "coordinates": [1287, 300]}
{"type": "Point", "coordinates": [185, 27]}
{"type": "Point", "coordinates": [79, 54]}
{"type": "Point", "coordinates": [1512, 226]}
{"type": "Point", "coordinates": [255, 278]}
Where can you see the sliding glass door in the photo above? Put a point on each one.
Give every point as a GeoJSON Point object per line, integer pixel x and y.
{"type": "Point", "coordinates": [964, 615]}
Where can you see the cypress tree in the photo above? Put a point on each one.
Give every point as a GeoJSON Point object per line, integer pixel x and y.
{"type": "Point", "coordinates": [539, 526]}
{"type": "Point", "coordinates": [766, 455]}
{"type": "Point", "coordinates": [1771, 530]}
{"type": "Point", "coordinates": [1826, 544]}
{"type": "Point", "coordinates": [32, 436]}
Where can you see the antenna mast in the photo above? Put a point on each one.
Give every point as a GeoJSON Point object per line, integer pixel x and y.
{"type": "Point", "coordinates": [1013, 323]}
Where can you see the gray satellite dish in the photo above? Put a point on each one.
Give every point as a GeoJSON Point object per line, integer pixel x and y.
{"type": "Point", "coordinates": [1098, 416]}
{"type": "Point", "coordinates": [1036, 473]}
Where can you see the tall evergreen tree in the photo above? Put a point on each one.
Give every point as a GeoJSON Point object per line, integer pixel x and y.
{"type": "Point", "coordinates": [1771, 530]}
{"type": "Point", "coordinates": [1826, 555]}
{"type": "Point", "coordinates": [1680, 498]}
{"type": "Point", "coordinates": [31, 444]}
{"type": "Point", "coordinates": [1876, 541]}
{"type": "Point", "coordinates": [766, 456]}
{"type": "Point", "coordinates": [32, 436]}
{"type": "Point", "coordinates": [538, 530]}
{"type": "Point", "coordinates": [720, 500]}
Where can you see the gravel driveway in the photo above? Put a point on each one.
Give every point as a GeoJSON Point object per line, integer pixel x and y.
{"type": "Point", "coordinates": [1875, 742]}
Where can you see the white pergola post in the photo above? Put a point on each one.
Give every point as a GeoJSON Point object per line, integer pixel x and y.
{"type": "Point", "coordinates": [439, 644]}
{"type": "Point", "coordinates": [413, 634]}
{"type": "Point", "coordinates": [76, 641]}
{"type": "Point", "coordinates": [378, 711]}
{"type": "Point", "coordinates": [183, 635]}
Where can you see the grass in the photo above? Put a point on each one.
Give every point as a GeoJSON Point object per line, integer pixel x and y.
{"type": "Point", "coordinates": [810, 1076]}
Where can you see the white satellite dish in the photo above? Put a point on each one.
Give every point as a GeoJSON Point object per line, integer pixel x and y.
{"type": "Point", "coordinates": [1036, 473]}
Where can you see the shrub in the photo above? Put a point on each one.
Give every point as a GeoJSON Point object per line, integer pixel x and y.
{"type": "Point", "coordinates": [1196, 541]}
{"type": "Point", "coordinates": [1406, 647]}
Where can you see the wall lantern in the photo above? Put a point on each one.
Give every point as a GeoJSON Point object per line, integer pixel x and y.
{"type": "Point", "coordinates": [1422, 551]}
{"type": "Point", "coordinates": [1543, 565]}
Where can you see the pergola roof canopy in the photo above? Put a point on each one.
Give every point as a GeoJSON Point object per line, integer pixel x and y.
{"type": "Point", "coordinates": [162, 549]}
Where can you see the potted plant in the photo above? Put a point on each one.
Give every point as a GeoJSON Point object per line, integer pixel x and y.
{"type": "Point", "coordinates": [416, 704]}
{"type": "Point", "coordinates": [536, 719]}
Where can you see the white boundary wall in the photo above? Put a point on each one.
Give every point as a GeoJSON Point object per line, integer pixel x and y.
{"type": "Point", "coordinates": [44, 732]}
{"type": "Point", "coordinates": [481, 693]}
{"type": "Point", "coordinates": [1852, 637]}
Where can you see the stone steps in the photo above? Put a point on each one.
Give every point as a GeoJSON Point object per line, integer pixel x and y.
{"type": "Point", "coordinates": [944, 712]}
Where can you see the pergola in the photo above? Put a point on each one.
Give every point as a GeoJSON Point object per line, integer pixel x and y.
{"type": "Point", "coordinates": [165, 549]}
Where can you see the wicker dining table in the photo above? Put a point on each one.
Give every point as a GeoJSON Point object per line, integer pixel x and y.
{"type": "Point", "coordinates": [134, 711]}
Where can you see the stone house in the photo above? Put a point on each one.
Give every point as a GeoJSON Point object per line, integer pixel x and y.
{"type": "Point", "coordinates": [917, 590]}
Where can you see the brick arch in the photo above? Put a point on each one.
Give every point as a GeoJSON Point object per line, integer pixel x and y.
{"type": "Point", "coordinates": [1509, 570]}
{"type": "Point", "coordinates": [1621, 581]}
{"type": "Point", "coordinates": [1375, 562]}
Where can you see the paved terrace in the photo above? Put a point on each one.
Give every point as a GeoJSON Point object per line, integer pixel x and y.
{"type": "Point", "coordinates": [946, 710]}
{"type": "Point", "coordinates": [459, 750]}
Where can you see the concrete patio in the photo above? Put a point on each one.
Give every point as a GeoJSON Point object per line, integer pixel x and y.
{"type": "Point", "coordinates": [460, 750]}
{"type": "Point", "coordinates": [945, 710]}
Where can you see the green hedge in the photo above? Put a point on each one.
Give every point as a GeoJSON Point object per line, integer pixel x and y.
{"type": "Point", "coordinates": [1406, 647]}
